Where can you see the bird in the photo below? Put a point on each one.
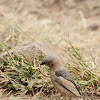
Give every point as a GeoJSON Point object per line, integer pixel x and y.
{"type": "Point", "coordinates": [61, 78]}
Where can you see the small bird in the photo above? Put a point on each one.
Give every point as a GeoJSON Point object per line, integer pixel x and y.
{"type": "Point", "coordinates": [61, 78]}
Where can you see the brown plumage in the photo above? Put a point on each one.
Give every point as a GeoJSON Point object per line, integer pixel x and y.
{"type": "Point", "coordinates": [61, 78]}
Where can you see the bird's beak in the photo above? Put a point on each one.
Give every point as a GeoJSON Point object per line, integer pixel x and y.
{"type": "Point", "coordinates": [42, 63]}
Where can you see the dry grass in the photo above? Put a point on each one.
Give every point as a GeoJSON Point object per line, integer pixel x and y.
{"type": "Point", "coordinates": [69, 26]}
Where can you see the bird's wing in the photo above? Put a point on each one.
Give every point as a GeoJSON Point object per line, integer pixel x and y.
{"type": "Point", "coordinates": [64, 79]}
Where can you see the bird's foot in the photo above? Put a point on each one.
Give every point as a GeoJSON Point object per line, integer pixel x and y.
{"type": "Point", "coordinates": [70, 98]}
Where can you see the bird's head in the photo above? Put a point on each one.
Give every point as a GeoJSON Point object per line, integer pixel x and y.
{"type": "Point", "coordinates": [50, 60]}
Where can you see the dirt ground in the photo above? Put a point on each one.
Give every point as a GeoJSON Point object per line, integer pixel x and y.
{"type": "Point", "coordinates": [54, 21]}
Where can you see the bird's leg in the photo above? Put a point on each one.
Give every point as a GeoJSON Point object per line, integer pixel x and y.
{"type": "Point", "coordinates": [70, 98]}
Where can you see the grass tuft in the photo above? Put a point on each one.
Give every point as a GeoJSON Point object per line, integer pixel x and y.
{"type": "Point", "coordinates": [20, 75]}
{"type": "Point", "coordinates": [23, 76]}
{"type": "Point", "coordinates": [87, 77]}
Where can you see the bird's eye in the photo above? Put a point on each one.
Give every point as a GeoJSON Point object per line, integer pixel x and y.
{"type": "Point", "coordinates": [47, 63]}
